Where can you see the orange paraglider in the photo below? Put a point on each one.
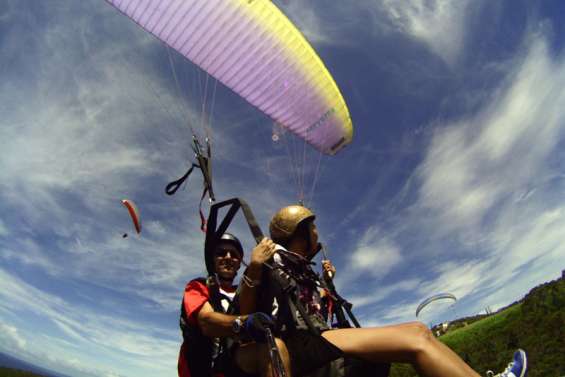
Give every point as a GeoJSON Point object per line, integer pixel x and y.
{"type": "Point", "coordinates": [134, 214]}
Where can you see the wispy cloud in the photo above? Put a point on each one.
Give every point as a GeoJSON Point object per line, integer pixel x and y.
{"type": "Point", "coordinates": [440, 24]}
{"type": "Point", "coordinates": [66, 165]}
{"type": "Point", "coordinates": [88, 328]}
{"type": "Point", "coordinates": [475, 164]}
{"type": "Point", "coordinates": [375, 254]}
{"type": "Point", "coordinates": [3, 229]}
{"type": "Point", "coordinates": [488, 198]}
{"type": "Point", "coordinates": [477, 171]}
{"type": "Point", "coordinates": [373, 257]}
{"type": "Point", "coordinates": [11, 339]}
{"type": "Point", "coordinates": [398, 289]}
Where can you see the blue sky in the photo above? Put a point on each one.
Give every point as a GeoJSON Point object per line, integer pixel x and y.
{"type": "Point", "coordinates": [454, 180]}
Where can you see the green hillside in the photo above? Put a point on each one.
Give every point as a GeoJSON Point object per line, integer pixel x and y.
{"type": "Point", "coordinates": [536, 324]}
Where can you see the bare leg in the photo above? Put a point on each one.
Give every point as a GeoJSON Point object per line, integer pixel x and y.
{"type": "Point", "coordinates": [408, 343]}
{"type": "Point", "coordinates": [253, 358]}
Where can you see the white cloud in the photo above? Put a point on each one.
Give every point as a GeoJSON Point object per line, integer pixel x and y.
{"type": "Point", "coordinates": [522, 241]}
{"type": "Point", "coordinates": [488, 220]}
{"type": "Point", "coordinates": [27, 252]}
{"type": "Point", "coordinates": [438, 23]}
{"type": "Point", "coordinates": [491, 179]}
{"type": "Point", "coordinates": [459, 279]}
{"type": "Point", "coordinates": [307, 19]}
{"type": "Point", "coordinates": [394, 314]}
{"type": "Point", "coordinates": [103, 335]}
{"type": "Point", "coordinates": [66, 165]}
{"type": "Point", "coordinates": [3, 229]}
{"type": "Point", "coordinates": [11, 339]}
{"type": "Point", "coordinates": [384, 292]}
{"type": "Point", "coordinates": [375, 254]}
{"type": "Point", "coordinates": [473, 165]}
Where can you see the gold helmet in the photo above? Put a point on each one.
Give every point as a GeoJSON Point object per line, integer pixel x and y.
{"type": "Point", "coordinates": [286, 220]}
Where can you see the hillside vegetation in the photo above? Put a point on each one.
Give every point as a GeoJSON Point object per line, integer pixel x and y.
{"type": "Point", "coordinates": [536, 324]}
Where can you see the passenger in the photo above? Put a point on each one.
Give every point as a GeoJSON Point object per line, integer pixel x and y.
{"type": "Point", "coordinates": [290, 284]}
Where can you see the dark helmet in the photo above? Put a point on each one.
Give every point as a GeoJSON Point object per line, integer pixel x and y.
{"type": "Point", "coordinates": [228, 237]}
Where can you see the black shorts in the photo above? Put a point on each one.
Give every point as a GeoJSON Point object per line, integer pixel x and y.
{"type": "Point", "coordinates": [309, 352]}
{"type": "Point", "coordinates": [313, 356]}
{"type": "Point", "coordinates": [229, 367]}
{"type": "Point", "coordinates": [350, 367]}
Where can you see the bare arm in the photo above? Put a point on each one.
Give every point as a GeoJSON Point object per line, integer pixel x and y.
{"type": "Point", "coordinates": [252, 279]}
{"type": "Point", "coordinates": [214, 324]}
{"type": "Point", "coordinates": [248, 294]}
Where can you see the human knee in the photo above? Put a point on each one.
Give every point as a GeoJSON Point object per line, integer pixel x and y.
{"type": "Point", "coordinates": [422, 337]}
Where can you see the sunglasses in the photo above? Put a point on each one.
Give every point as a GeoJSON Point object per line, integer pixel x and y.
{"type": "Point", "coordinates": [222, 253]}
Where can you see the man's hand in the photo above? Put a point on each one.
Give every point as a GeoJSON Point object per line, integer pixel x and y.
{"type": "Point", "coordinates": [255, 325]}
{"type": "Point", "coordinates": [262, 252]}
{"type": "Point", "coordinates": [328, 269]}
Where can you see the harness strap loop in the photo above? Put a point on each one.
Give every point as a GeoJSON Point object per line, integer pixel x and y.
{"type": "Point", "coordinates": [173, 186]}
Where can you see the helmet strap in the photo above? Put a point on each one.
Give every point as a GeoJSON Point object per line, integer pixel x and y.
{"type": "Point", "coordinates": [223, 280]}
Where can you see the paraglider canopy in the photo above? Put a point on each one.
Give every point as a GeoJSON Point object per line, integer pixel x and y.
{"type": "Point", "coordinates": [256, 51]}
{"type": "Point", "coordinates": [429, 300]}
{"type": "Point", "coordinates": [134, 214]}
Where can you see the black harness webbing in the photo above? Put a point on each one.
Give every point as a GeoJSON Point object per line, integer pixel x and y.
{"type": "Point", "coordinates": [289, 288]}
{"type": "Point", "coordinates": [342, 306]}
{"type": "Point", "coordinates": [205, 166]}
{"type": "Point", "coordinates": [214, 232]}
{"type": "Point", "coordinates": [173, 186]}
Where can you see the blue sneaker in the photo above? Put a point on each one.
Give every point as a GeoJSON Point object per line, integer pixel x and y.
{"type": "Point", "coordinates": [517, 368]}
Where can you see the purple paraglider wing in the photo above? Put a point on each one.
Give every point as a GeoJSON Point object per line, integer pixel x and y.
{"type": "Point", "coordinates": [254, 49]}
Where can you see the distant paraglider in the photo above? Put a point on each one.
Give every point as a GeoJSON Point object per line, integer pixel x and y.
{"type": "Point", "coordinates": [134, 214]}
{"type": "Point", "coordinates": [429, 300]}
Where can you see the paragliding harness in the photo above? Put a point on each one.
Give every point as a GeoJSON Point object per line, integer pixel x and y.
{"type": "Point", "coordinates": [288, 280]}
{"type": "Point", "coordinates": [205, 355]}
{"type": "Point", "coordinates": [284, 284]}
{"type": "Point", "coordinates": [205, 166]}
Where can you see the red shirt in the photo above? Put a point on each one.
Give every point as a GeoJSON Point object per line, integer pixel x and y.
{"type": "Point", "coordinates": [196, 294]}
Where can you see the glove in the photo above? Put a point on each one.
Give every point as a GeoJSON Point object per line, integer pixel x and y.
{"type": "Point", "coordinates": [255, 325]}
